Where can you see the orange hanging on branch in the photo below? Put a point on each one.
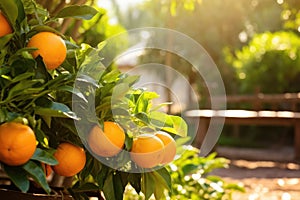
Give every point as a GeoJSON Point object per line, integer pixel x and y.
{"type": "Point", "coordinates": [50, 47]}
{"type": "Point", "coordinates": [17, 143]}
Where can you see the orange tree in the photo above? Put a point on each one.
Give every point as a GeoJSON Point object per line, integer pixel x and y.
{"type": "Point", "coordinates": [37, 92]}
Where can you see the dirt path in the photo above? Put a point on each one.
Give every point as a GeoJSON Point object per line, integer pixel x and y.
{"type": "Point", "coordinates": [265, 174]}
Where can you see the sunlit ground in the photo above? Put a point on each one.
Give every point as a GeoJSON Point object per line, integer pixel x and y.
{"type": "Point", "coordinates": [264, 180]}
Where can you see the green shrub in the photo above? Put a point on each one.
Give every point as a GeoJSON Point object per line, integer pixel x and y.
{"type": "Point", "coordinates": [270, 62]}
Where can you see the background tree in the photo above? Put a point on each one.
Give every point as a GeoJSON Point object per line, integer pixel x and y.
{"type": "Point", "coordinates": [220, 27]}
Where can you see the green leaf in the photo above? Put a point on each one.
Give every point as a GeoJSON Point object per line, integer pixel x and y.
{"type": "Point", "coordinates": [41, 137]}
{"type": "Point", "coordinates": [3, 115]}
{"type": "Point", "coordinates": [10, 9]}
{"type": "Point", "coordinates": [44, 157]}
{"type": "Point", "coordinates": [21, 11]}
{"type": "Point", "coordinates": [84, 79]}
{"type": "Point", "coordinates": [189, 168]}
{"type": "Point", "coordinates": [179, 126]}
{"type": "Point", "coordinates": [130, 80]}
{"type": "Point", "coordinates": [162, 180]}
{"type": "Point", "coordinates": [113, 189]}
{"type": "Point", "coordinates": [100, 175]}
{"type": "Point", "coordinates": [135, 181]}
{"type": "Point", "coordinates": [43, 28]}
{"type": "Point", "coordinates": [162, 175]}
{"type": "Point", "coordinates": [4, 40]}
{"type": "Point", "coordinates": [159, 119]}
{"type": "Point", "coordinates": [235, 187]}
{"type": "Point", "coordinates": [169, 123]}
{"type": "Point", "coordinates": [73, 91]}
{"type": "Point", "coordinates": [77, 11]}
{"type": "Point", "coordinates": [55, 109]}
{"type": "Point", "coordinates": [22, 77]}
{"type": "Point", "coordinates": [18, 176]}
{"type": "Point", "coordinates": [86, 187]}
{"type": "Point", "coordinates": [148, 184]}
{"type": "Point", "coordinates": [37, 173]}
{"type": "Point", "coordinates": [111, 76]}
{"type": "Point", "coordinates": [141, 104]}
{"type": "Point", "coordinates": [120, 90]}
{"type": "Point", "coordinates": [24, 86]}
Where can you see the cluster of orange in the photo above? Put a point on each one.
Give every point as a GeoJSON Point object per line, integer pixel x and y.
{"type": "Point", "coordinates": [18, 144]}
{"type": "Point", "coordinates": [18, 141]}
{"type": "Point", "coordinates": [148, 150]}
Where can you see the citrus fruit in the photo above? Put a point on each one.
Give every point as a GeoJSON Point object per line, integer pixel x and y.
{"type": "Point", "coordinates": [170, 146]}
{"type": "Point", "coordinates": [71, 159]}
{"type": "Point", "coordinates": [17, 143]}
{"type": "Point", "coordinates": [147, 151]}
{"type": "Point", "coordinates": [50, 47]}
{"type": "Point", "coordinates": [107, 142]}
{"type": "Point", "coordinates": [5, 27]}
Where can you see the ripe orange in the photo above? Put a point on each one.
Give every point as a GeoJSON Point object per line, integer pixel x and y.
{"type": "Point", "coordinates": [71, 159]}
{"type": "Point", "coordinates": [147, 151]}
{"type": "Point", "coordinates": [17, 143]}
{"type": "Point", "coordinates": [51, 48]}
{"type": "Point", "coordinates": [5, 27]}
{"type": "Point", "coordinates": [170, 146]}
{"type": "Point", "coordinates": [108, 142]}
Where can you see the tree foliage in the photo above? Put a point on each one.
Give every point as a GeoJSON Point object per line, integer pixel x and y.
{"type": "Point", "coordinates": [270, 62]}
{"type": "Point", "coordinates": [220, 27]}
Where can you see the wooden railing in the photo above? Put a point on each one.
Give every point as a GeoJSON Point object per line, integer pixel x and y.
{"type": "Point", "coordinates": [262, 109]}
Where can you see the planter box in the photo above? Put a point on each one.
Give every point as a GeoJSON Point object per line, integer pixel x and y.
{"type": "Point", "coordinates": [9, 194]}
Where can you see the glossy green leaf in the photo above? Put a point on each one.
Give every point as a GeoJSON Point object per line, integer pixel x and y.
{"type": "Point", "coordinates": [148, 184]}
{"type": "Point", "coordinates": [77, 11]}
{"type": "Point", "coordinates": [44, 156]}
{"type": "Point", "coordinates": [111, 76]}
{"type": "Point", "coordinates": [38, 174]}
{"type": "Point", "coordinates": [162, 175]}
{"type": "Point", "coordinates": [4, 40]}
{"type": "Point", "coordinates": [18, 176]}
{"type": "Point", "coordinates": [3, 115]}
{"type": "Point", "coordinates": [120, 90]}
{"type": "Point", "coordinates": [141, 104]}
{"type": "Point", "coordinates": [22, 77]}
{"type": "Point", "coordinates": [21, 11]}
{"type": "Point", "coordinates": [130, 80]}
{"type": "Point", "coordinates": [179, 126]}
{"type": "Point", "coordinates": [159, 119]}
{"type": "Point", "coordinates": [55, 109]}
{"type": "Point", "coordinates": [72, 90]}
{"type": "Point", "coordinates": [10, 9]}
{"type": "Point", "coordinates": [162, 180]}
{"type": "Point", "coordinates": [41, 137]}
{"type": "Point", "coordinates": [84, 79]}
{"type": "Point", "coordinates": [22, 86]}
{"type": "Point", "coordinates": [100, 174]}
{"type": "Point", "coordinates": [189, 168]}
{"type": "Point", "coordinates": [135, 181]}
{"type": "Point", "coordinates": [43, 28]}
{"type": "Point", "coordinates": [113, 189]}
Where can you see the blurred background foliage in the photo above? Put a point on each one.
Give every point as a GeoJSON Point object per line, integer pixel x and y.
{"type": "Point", "coordinates": [228, 30]}
{"type": "Point", "coordinates": [254, 43]}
